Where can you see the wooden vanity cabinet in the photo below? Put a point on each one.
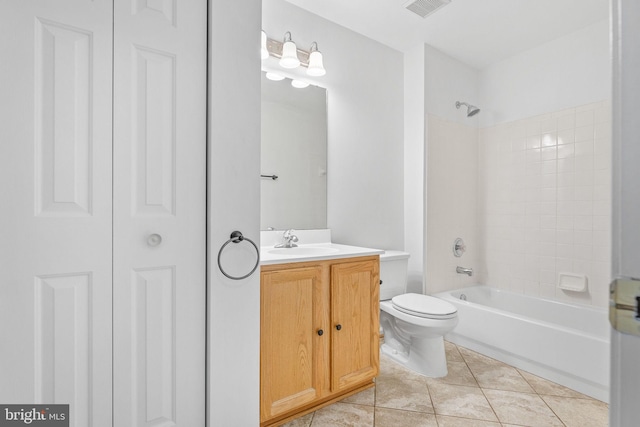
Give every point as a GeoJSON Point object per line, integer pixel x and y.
{"type": "Point", "coordinates": [319, 334]}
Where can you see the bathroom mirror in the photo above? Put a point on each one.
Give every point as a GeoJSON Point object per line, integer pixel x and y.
{"type": "Point", "coordinates": [294, 156]}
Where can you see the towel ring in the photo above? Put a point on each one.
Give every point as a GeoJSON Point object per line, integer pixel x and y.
{"type": "Point", "coordinates": [237, 237]}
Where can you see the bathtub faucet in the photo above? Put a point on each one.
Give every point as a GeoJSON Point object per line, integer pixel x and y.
{"type": "Point", "coordinates": [464, 270]}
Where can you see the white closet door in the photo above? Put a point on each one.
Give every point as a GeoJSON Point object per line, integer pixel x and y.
{"type": "Point", "coordinates": [159, 212]}
{"type": "Point", "coordinates": [55, 208]}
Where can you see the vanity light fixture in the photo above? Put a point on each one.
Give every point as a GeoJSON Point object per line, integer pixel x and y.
{"type": "Point", "coordinates": [289, 57]}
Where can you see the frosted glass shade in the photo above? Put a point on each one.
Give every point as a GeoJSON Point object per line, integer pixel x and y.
{"type": "Point", "coordinates": [315, 64]}
{"type": "Point", "coordinates": [275, 76]}
{"type": "Point", "coordinates": [299, 84]}
{"type": "Point", "coordinates": [289, 55]}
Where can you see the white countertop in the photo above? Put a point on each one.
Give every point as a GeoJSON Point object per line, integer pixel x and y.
{"type": "Point", "coordinates": [312, 252]}
{"type": "Point", "coordinates": [314, 245]}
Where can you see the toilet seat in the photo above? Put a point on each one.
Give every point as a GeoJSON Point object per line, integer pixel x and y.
{"type": "Point", "coordinates": [424, 306]}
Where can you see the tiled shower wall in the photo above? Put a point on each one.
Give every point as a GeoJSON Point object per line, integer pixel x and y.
{"type": "Point", "coordinates": [544, 203]}
{"type": "Point", "coordinates": [452, 200]}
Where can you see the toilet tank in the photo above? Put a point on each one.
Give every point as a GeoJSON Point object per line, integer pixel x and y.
{"type": "Point", "coordinates": [393, 273]}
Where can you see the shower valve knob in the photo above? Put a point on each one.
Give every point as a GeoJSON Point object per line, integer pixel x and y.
{"type": "Point", "coordinates": [459, 247]}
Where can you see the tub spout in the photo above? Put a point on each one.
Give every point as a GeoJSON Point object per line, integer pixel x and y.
{"type": "Point", "coordinates": [464, 270]}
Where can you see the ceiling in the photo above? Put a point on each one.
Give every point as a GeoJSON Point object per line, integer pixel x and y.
{"type": "Point", "coordinates": [476, 32]}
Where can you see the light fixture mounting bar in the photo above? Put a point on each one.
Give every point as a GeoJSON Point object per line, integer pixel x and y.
{"type": "Point", "coordinates": [275, 49]}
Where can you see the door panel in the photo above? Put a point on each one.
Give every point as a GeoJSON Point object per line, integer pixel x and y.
{"type": "Point", "coordinates": [55, 166]}
{"type": "Point", "coordinates": [292, 351]}
{"type": "Point", "coordinates": [354, 322]}
{"type": "Point", "coordinates": [159, 212]}
{"type": "Point", "coordinates": [625, 349]}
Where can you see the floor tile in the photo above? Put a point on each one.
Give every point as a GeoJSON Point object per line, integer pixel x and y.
{"type": "Point", "coordinates": [394, 418]}
{"type": "Point", "coordinates": [343, 415]}
{"type": "Point", "coordinates": [367, 397]}
{"type": "Point", "coordinates": [579, 412]}
{"type": "Point", "coordinates": [304, 421]}
{"type": "Point", "coordinates": [499, 377]}
{"type": "Point", "coordinates": [392, 369]}
{"type": "Point", "coordinates": [472, 357]}
{"type": "Point", "coordinates": [459, 374]}
{"type": "Point", "coordinates": [444, 421]}
{"type": "Point", "coordinates": [521, 408]}
{"type": "Point", "coordinates": [491, 373]}
{"type": "Point", "coordinates": [546, 387]}
{"type": "Point", "coordinates": [404, 393]}
{"type": "Point", "coordinates": [453, 355]}
{"type": "Point", "coordinates": [461, 401]}
{"type": "Point", "coordinates": [403, 398]}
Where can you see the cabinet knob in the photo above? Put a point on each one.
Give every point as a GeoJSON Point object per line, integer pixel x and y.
{"type": "Point", "coordinates": [320, 332]}
{"type": "Point", "coordinates": [338, 326]}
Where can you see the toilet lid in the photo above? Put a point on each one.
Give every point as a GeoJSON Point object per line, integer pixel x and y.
{"type": "Point", "coordinates": [424, 306]}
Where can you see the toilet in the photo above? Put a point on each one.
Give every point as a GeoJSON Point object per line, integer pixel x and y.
{"type": "Point", "coordinates": [414, 325]}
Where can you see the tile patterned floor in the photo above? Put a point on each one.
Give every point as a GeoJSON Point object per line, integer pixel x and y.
{"type": "Point", "coordinates": [478, 392]}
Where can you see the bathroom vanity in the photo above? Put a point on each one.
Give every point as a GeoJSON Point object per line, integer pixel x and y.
{"type": "Point", "coordinates": [319, 332]}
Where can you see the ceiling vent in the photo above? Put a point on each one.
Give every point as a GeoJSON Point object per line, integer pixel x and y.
{"type": "Point", "coordinates": [424, 8]}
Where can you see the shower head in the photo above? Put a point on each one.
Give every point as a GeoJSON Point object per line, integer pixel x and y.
{"type": "Point", "coordinates": [472, 110]}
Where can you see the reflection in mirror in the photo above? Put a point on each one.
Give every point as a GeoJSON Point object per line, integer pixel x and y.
{"type": "Point", "coordinates": [294, 149]}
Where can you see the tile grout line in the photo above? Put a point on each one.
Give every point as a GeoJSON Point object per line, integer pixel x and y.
{"type": "Point", "coordinates": [432, 387]}
{"type": "Point", "coordinates": [522, 376]}
{"type": "Point", "coordinates": [375, 396]}
{"type": "Point", "coordinates": [540, 397]}
{"type": "Point", "coordinates": [481, 389]}
{"type": "Point", "coordinates": [435, 414]}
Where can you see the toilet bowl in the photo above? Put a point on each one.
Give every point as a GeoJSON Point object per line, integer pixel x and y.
{"type": "Point", "coordinates": [414, 325]}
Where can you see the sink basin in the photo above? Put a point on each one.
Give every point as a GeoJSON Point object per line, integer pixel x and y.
{"type": "Point", "coordinates": [304, 250]}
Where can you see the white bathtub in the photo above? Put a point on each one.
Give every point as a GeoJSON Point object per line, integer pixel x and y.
{"type": "Point", "coordinates": [564, 343]}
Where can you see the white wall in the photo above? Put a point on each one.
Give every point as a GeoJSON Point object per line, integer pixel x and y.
{"type": "Point", "coordinates": [233, 369]}
{"type": "Point", "coordinates": [365, 126]}
{"type": "Point", "coordinates": [451, 164]}
{"type": "Point", "coordinates": [414, 171]}
{"type": "Point", "coordinates": [448, 80]}
{"type": "Point", "coordinates": [433, 84]}
{"type": "Point", "coordinates": [569, 71]}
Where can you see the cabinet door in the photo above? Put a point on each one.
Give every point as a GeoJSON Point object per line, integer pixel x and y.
{"type": "Point", "coordinates": [293, 353]}
{"type": "Point", "coordinates": [355, 319]}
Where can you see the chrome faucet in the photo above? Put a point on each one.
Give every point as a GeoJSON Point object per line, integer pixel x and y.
{"type": "Point", "coordinates": [464, 270]}
{"type": "Point", "coordinates": [288, 239]}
